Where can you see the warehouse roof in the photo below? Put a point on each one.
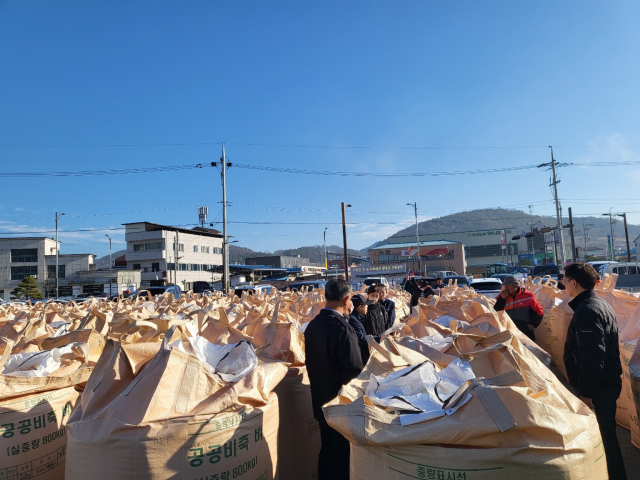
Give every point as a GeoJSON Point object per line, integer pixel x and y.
{"type": "Point", "coordinates": [152, 227]}
{"type": "Point", "coordinates": [431, 243]}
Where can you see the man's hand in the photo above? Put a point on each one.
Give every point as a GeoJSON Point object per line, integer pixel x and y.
{"type": "Point", "coordinates": [504, 294]}
{"type": "Point", "coordinates": [531, 327]}
{"type": "Point", "coordinates": [588, 402]}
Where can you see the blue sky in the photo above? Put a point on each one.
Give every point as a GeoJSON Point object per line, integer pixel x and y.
{"type": "Point", "coordinates": [453, 75]}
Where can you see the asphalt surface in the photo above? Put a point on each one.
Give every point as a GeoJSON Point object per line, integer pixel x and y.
{"type": "Point", "coordinates": [630, 452]}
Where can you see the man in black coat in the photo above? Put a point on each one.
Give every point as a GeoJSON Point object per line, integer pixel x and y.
{"type": "Point", "coordinates": [592, 357]}
{"type": "Point", "coordinates": [356, 320]}
{"type": "Point", "coordinates": [333, 360]}
{"type": "Point", "coordinates": [377, 317]}
{"type": "Point", "coordinates": [389, 306]}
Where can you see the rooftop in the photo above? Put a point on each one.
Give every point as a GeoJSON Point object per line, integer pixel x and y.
{"type": "Point", "coordinates": [431, 243]}
{"type": "Point", "coordinates": [153, 227]}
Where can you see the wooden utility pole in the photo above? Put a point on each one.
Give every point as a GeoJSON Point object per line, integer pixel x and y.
{"type": "Point", "coordinates": [344, 240]}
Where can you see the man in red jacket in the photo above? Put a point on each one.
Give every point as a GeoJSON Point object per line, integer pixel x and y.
{"type": "Point", "coordinates": [520, 305]}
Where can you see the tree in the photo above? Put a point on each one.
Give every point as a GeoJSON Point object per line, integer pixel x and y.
{"type": "Point", "coordinates": [28, 288]}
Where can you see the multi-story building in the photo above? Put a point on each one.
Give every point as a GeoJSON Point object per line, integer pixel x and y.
{"type": "Point", "coordinates": [279, 261]}
{"type": "Point", "coordinates": [399, 258]}
{"type": "Point", "coordinates": [176, 255]}
{"type": "Point", "coordinates": [36, 257]}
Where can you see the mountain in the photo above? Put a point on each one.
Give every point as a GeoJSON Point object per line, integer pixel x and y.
{"type": "Point", "coordinates": [103, 262]}
{"type": "Point", "coordinates": [498, 218]}
{"type": "Point", "coordinates": [314, 253]}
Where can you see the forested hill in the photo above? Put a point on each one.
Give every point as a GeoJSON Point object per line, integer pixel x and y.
{"type": "Point", "coordinates": [499, 218]}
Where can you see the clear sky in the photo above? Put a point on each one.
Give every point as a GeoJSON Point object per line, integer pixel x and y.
{"type": "Point", "coordinates": [275, 80]}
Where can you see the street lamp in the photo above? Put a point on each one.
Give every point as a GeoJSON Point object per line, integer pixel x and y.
{"type": "Point", "coordinates": [56, 274]}
{"type": "Point", "coordinates": [344, 240]}
{"type": "Point", "coordinates": [110, 263]}
{"type": "Point", "coordinates": [415, 209]}
{"type": "Point", "coordinates": [626, 234]}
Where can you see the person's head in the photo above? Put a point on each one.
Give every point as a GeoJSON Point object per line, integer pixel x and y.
{"type": "Point", "coordinates": [579, 277]}
{"type": "Point", "coordinates": [511, 284]}
{"type": "Point", "coordinates": [372, 293]}
{"type": "Point", "coordinates": [439, 281]}
{"type": "Point", "coordinates": [337, 293]}
{"type": "Point", "coordinates": [422, 283]}
{"type": "Point", "coordinates": [382, 292]}
{"type": "Point", "coordinates": [360, 303]}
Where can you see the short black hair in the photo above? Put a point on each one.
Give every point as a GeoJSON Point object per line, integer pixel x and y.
{"type": "Point", "coordinates": [373, 289]}
{"type": "Point", "coordinates": [439, 278]}
{"type": "Point", "coordinates": [583, 273]}
{"type": "Point", "coordinates": [337, 289]}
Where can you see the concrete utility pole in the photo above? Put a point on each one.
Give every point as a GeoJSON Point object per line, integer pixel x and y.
{"type": "Point", "coordinates": [612, 255]}
{"type": "Point", "coordinates": [110, 264]}
{"type": "Point", "coordinates": [57, 248]}
{"type": "Point", "coordinates": [225, 240]}
{"type": "Point", "coordinates": [344, 241]}
{"type": "Point", "coordinates": [626, 234]}
{"type": "Point", "coordinates": [573, 240]}
{"type": "Point", "coordinates": [415, 209]}
{"type": "Point", "coordinates": [326, 260]}
{"type": "Point", "coordinates": [558, 214]}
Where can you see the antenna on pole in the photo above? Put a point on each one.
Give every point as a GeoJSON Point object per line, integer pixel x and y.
{"type": "Point", "coordinates": [202, 215]}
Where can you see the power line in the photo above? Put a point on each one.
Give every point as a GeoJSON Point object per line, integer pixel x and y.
{"type": "Point", "coordinates": [86, 173]}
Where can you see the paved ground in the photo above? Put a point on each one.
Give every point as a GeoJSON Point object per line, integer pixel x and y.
{"type": "Point", "coordinates": [630, 453]}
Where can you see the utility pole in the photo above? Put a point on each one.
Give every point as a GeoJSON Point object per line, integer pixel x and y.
{"type": "Point", "coordinates": [415, 209]}
{"type": "Point", "coordinates": [57, 249]}
{"type": "Point", "coordinates": [558, 214]}
{"type": "Point", "coordinates": [626, 234]}
{"type": "Point", "coordinates": [110, 264]}
{"type": "Point", "coordinates": [326, 260]}
{"type": "Point", "coordinates": [611, 242]}
{"type": "Point", "coordinates": [344, 240]}
{"type": "Point", "coordinates": [573, 240]}
{"type": "Point", "coordinates": [225, 239]}
{"type": "Point", "coordinates": [176, 251]}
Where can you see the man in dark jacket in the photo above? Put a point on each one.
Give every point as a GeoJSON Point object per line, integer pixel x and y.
{"type": "Point", "coordinates": [520, 305]}
{"type": "Point", "coordinates": [333, 360]}
{"type": "Point", "coordinates": [592, 357]}
{"type": "Point", "coordinates": [389, 306]}
{"type": "Point", "coordinates": [377, 317]}
{"type": "Point", "coordinates": [356, 320]}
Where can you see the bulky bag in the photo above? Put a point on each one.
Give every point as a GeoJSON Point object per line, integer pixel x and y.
{"type": "Point", "coordinates": [170, 417]}
{"type": "Point", "coordinates": [519, 422]}
{"type": "Point", "coordinates": [35, 409]}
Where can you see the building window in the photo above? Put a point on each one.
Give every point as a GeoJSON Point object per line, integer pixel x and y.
{"type": "Point", "coordinates": [494, 250]}
{"type": "Point", "coordinates": [184, 267]}
{"type": "Point", "coordinates": [180, 247]}
{"type": "Point", "coordinates": [195, 249]}
{"type": "Point", "coordinates": [204, 249]}
{"type": "Point", "coordinates": [155, 267]}
{"type": "Point", "coordinates": [195, 267]}
{"type": "Point", "coordinates": [19, 273]}
{"type": "Point", "coordinates": [395, 258]}
{"type": "Point", "coordinates": [136, 266]}
{"type": "Point", "coordinates": [171, 266]}
{"type": "Point", "coordinates": [217, 251]}
{"type": "Point", "coordinates": [51, 271]}
{"type": "Point", "coordinates": [147, 246]}
{"type": "Point", "coordinates": [24, 255]}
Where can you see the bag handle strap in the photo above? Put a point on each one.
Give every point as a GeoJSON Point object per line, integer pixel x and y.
{"type": "Point", "coordinates": [186, 343]}
{"type": "Point", "coordinates": [139, 325]}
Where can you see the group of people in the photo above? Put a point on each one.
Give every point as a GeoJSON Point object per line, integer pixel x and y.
{"type": "Point", "coordinates": [336, 343]}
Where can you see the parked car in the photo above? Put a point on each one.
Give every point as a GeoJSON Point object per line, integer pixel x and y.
{"type": "Point", "coordinates": [310, 285]}
{"type": "Point", "coordinates": [251, 289]}
{"type": "Point", "coordinates": [620, 268]}
{"type": "Point", "coordinates": [489, 287]}
{"type": "Point", "coordinates": [444, 274]}
{"type": "Point", "coordinates": [462, 280]}
{"type": "Point", "coordinates": [598, 264]}
{"type": "Point", "coordinates": [174, 289]}
{"type": "Point", "coordinates": [542, 270]}
{"type": "Point", "coordinates": [375, 281]}
{"type": "Point", "coordinates": [200, 286]}
{"type": "Point", "coordinates": [92, 295]}
{"type": "Point", "coordinates": [501, 276]}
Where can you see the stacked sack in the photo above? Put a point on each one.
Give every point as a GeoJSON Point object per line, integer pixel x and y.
{"type": "Point", "coordinates": [452, 392]}
{"type": "Point", "coordinates": [43, 370]}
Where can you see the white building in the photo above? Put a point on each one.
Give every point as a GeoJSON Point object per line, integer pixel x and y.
{"type": "Point", "coordinates": [176, 255]}
{"type": "Point", "coordinates": [36, 257]}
